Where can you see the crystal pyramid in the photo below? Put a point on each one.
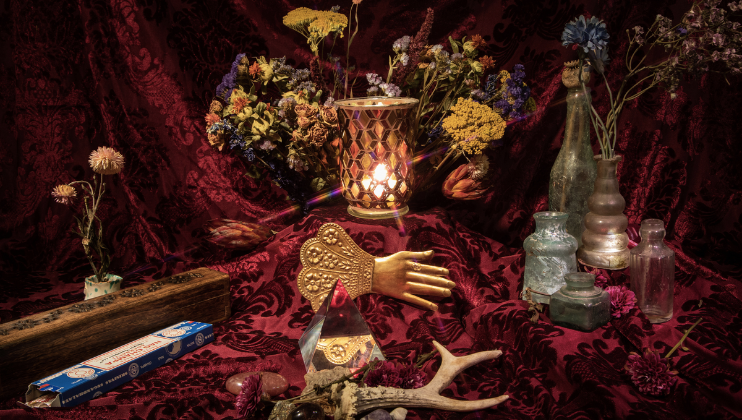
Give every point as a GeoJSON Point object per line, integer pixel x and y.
{"type": "Point", "coordinates": [338, 335]}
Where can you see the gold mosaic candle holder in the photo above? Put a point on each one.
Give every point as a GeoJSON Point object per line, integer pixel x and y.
{"type": "Point", "coordinates": [376, 157]}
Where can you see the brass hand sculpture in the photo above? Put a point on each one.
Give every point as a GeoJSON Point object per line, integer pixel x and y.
{"type": "Point", "coordinates": [333, 255]}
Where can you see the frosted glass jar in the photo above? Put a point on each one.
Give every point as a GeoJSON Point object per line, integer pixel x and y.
{"type": "Point", "coordinates": [550, 254]}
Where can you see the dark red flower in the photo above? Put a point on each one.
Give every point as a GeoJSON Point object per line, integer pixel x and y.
{"type": "Point", "coordinates": [411, 377]}
{"type": "Point", "coordinates": [249, 397]}
{"type": "Point", "coordinates": [622, 300]}
{"type": "Point", "coordinates": [651, 373]}
{"type": "Point", "coordinates": [384, 374]}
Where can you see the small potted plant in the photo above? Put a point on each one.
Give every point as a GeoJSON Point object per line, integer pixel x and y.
{"type": "Point", "coordinates": [104, 161]}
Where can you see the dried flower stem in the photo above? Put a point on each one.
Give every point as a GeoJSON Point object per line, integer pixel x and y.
{"type": "Point", "coordinates": [680, 343]}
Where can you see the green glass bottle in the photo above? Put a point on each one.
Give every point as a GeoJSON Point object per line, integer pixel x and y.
{"type": "Point", "coordinates": [580, 305]}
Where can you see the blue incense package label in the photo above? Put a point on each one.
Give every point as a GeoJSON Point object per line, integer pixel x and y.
{"type": "Point", "coordinates": [102, 373]}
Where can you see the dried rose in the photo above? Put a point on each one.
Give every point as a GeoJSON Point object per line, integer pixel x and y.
{"type": "Point", "coordinates": [305, 110]}
{"type": "Point", "coordinates": [651, 373]}
{"type": "Point", "coordinates": [304, 122]}
{"type": "Point", "coordinates": [460, 186]}
{"type": "Point", "coordinates": [216, 106]}
{"type": "Point", "coordinates": [318, 134]}
{"type": "Point", "coordinates": [297, 136]}
{"type": "Point", "coordinates": [234, 234]}
{"type": "Point", "coordinates": [329, 115]}
{"type": "Point", "coordinates": [217, 139]}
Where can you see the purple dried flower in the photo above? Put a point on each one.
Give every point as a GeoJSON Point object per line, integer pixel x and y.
{"type": "Point", "coordinates": [384, 373]}
{"type": "Point", "coordinates": [249, 396]}
{"type": "Point", "coordinates": [402, 44]}
{"type": "Point", "coordinates": [651, 373]}
{"type": "Point", "coordinates": [622, 300]}
{"type": "Point", "coordinates": [373, 78]}
{"type": "Point", "coordinates": [229, 81]}
{"type": "Point", "coordinates": [718, 40]}
{"type": "Point", "coordinates": [411, 377]}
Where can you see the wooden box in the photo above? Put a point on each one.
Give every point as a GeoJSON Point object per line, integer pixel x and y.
{"type": "Point", "coordinates": [43, 344]}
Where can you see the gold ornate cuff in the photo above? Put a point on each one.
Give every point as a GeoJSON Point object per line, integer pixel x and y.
{"type": "Point", "coordinates": [330, 256]}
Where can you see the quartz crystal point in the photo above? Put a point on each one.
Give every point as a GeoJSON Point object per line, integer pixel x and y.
{"type": "Point", "coordinates": [338, 335]}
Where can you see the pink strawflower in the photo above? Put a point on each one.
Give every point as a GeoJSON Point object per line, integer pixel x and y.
{"type": "Point", "coordinates": [384, 374]}
{"type": "Point", "coordinates": [651, 373]}
{"type": "Point", "coordinates": [106, 161]}
{"type": "Point", "coordinates": [249, 397]}
{"type": "Point", "coordinates": [64, 194]}
{"type": "Point", "coordinates": [622, 300]}
{"type": "Point", "coordinates": [411, 377]}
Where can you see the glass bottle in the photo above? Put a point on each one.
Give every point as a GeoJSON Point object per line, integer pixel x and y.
{"type": "Point", "coordinates": [580, 305]}
{"type": "Point", "coordinates": [653, 272]}
{"type": "Point", "coordinates": [573, 174]}
{"type": "Point", "coordinates": [550, 254]}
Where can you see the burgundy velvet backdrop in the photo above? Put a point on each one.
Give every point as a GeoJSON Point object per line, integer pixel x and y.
{"type": "Point", "coordinates": [139, 75]}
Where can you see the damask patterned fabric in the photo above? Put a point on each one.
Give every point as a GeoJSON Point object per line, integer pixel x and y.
{"type": "Point", "coordinates": [138, 76]}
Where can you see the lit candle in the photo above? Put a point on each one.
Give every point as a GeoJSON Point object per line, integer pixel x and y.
{"type": "Point", "coordinates": [380, 173]}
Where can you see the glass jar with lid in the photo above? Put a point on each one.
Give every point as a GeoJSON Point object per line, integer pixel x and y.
{"type": "Point", "coordinates": [580, 305]}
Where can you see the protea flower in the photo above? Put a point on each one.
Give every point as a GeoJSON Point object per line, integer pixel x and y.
{"type": "Point", "coordinates": [234, 234]}
{"type": "Point", "coordinates": [465, 183]}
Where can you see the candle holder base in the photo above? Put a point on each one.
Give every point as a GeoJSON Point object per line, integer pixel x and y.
{"type": "Point", "coordinates": [377, 213]}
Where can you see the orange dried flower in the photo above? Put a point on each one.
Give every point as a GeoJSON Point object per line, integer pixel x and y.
{"type": "Point", "coordinates": [255, 69]}
{"type": "Point", "coordinates": [478, 42]}
{"type": "Point", "coordinates": [487, 62]}
{"type": "Point", "coordinates": [211, 119]}
{"type": "Point", "coordinates": [239, 104]}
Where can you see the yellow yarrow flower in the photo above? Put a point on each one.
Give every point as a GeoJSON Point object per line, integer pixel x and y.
{"type": "Point", "coordinates": [473, 126]}
{"type": "Point", "coordinates": [315, 25]}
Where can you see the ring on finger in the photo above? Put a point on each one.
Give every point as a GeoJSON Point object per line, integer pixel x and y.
{"type": "Point", "coordinates": [416, 266]}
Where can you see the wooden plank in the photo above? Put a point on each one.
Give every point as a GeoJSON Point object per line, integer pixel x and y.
{"type": "Point", "coordinates": [45, 343]}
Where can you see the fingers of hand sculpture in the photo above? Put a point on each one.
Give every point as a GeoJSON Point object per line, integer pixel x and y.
{"type": "Point", "coordinates": [426, 269]}
{"type": "Point", "coordinates": [417, 256]}
{"type": "Point", "coordinates": [415, 300]}
{"type": "Point", "coordinates": [428, 279]}
{"type": "Point", "coordinates": [428, 290]}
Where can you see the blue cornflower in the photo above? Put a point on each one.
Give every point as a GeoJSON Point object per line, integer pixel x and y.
{"type": "Point", "coordinates": [436, 132]}
{"type": "Point", "coordinates": [224, 126]}
{"type": "Point", "coordinates": [229, 81]}
{"type": "Point", "coordinates": [249, 154]}
{"type": "Point", "coordinates": [590, 34]}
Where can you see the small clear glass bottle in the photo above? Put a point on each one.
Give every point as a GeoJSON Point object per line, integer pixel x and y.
{"type": "Point", "coordinates": [580, 305]}
{"type": "Point", "coordinates": [550, 254]}
{"type": "Point", "coordinates": [653, 272]}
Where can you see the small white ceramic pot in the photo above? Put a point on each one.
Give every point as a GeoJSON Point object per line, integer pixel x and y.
{"type": "Point", "coordinates": [95, 289]}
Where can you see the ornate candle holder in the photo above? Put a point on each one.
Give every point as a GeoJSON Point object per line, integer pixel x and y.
{"type": "Point", "coordinates": [376, 157]}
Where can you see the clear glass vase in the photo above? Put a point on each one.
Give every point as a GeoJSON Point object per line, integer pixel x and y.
{"type": "Point", "coordinates": [550, 254]}
{"type": "Point", "coordinates": [653, 272]}
{"type": "Point", "coordinates": [573, 174]}
{"type": "Point", "coordinates": [580, 305]}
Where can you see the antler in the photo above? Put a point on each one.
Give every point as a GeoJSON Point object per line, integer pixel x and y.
{"type": "Point", "coordinates": [354, 399]}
